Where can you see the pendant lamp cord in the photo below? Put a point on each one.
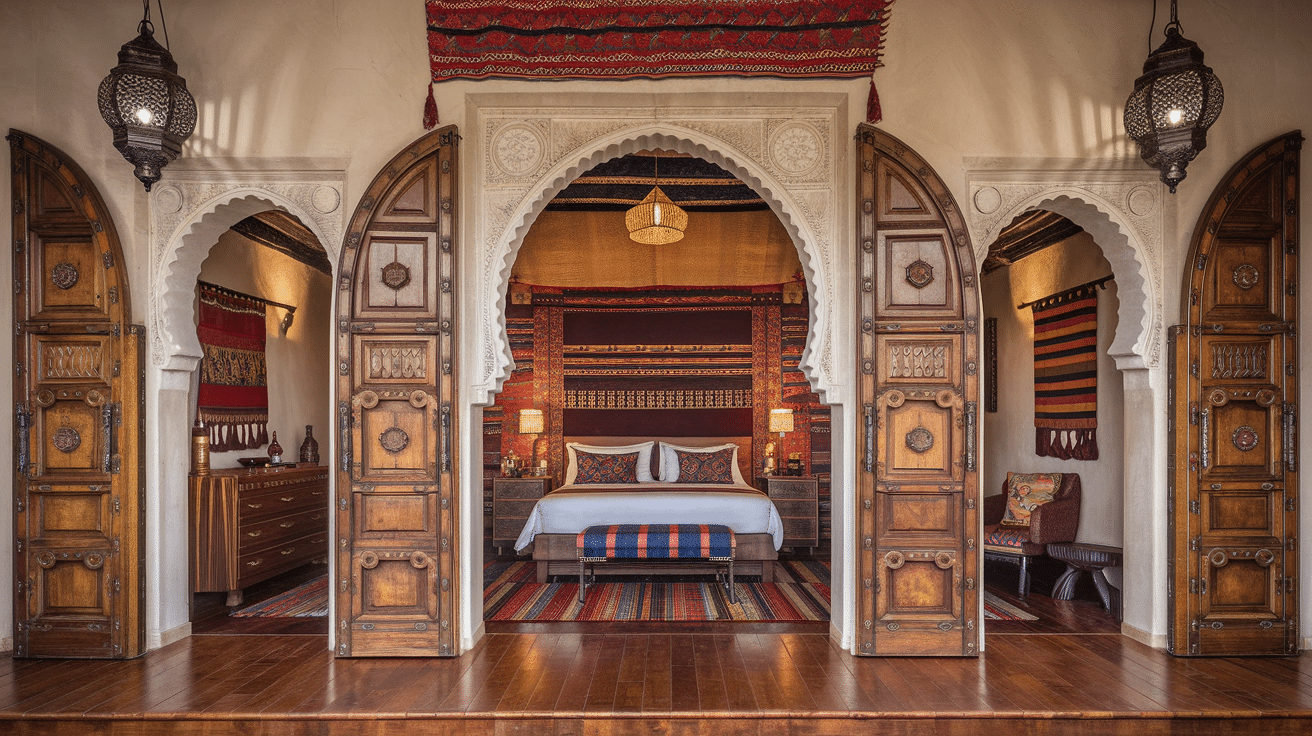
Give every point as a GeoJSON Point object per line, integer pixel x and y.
{"type": "Point", "coordinates": [146, 25]}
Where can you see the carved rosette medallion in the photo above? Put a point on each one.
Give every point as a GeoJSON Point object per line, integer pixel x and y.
{"type": "Point", "coordinates": [1245, 438]}
{"type": "Point", "coordinates": [1246, 276]}
{"type": "Point", "coordinates": [396, 275]}
{"type": "Point", "coordinates": [394, 439]}
{"type": "Point", "coordinates": [796, 148]}
{"type": "Point", "coordinates": [64, 275]}
{"type": "Point", "coordinates": [920, 439]}
{"type": "Point", "coordinates": [66, 439]}
{"type": "Point", "coordinates": [518, 149]}
{"type": "Point", "coordinates": [920, 274]}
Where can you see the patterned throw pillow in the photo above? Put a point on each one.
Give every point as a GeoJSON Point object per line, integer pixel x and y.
{"type": "Point", "coordinates": [705, 467]}
{"type": "Point", "coordinates": [1025, 492]}
{"type": "Point", "coordinates": [607, 468]}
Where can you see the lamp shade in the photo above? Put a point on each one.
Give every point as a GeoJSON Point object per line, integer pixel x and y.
{"type": "Point", "coordinates": [1173, 104]}
{"type": "Point", "coordinates": [530, 421]}
{"type": "Point", "coordinates": [781, 420]}
{"type": "Point", "coordinates": [147, 105]}
{"type": "Point", "coordinates": [656, 220]}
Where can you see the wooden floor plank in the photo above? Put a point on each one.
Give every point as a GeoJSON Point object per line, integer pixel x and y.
{"type": "Point", "coordinates": [657, 680]}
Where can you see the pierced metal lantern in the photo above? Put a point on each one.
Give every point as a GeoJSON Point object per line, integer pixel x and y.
{"type": "Point", "coordinates": [147, 105]}
{"type": "Point", "coordinates": [1173, 104]}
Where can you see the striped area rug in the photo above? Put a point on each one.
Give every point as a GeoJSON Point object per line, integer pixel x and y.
{"type": "Point", "coordinates": [306, 599]}
{"type": "Point", "coordinates": [1000, 610]}
{"type": "Point", "coordinates": [800, 593]}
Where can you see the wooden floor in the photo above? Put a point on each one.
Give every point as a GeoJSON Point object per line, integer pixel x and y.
{"type": "Point", "coordinates": [1068, 673]}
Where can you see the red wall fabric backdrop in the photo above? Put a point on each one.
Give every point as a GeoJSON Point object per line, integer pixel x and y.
{"type": "Point", "coordinates": [233, 399]}
{"type": "Point", "coordinates": [618, 39]}
{"type": "Point", "coordinates": [1066, 374]}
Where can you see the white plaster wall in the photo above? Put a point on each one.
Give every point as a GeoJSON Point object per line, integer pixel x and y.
{"type": "Point", "coordinates": [1041, 80]}
{"type": "Point", "coordinates": [298, 362]}
{"type": "Point", "coordinates": [1010, 431]}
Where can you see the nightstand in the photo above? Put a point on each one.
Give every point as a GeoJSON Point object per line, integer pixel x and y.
{"type": "Point", "coordinates": [512, 502]}
{"type": "Point", "coordinates": [797, 499]}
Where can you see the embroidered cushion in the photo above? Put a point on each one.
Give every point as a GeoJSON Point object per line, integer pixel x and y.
{"type": "Point", "coordinates": [1026, 492]}
{"type": "Point", "coordinates": [608, 468]}
{"type": "Point", "coordinates": [644, 450]}
{"type": "Point", "coordinates": [669, 461]}
{"type": "Point", "coordinates": [1012, 538]}
{"type": "Point", "coordinates": [705, 467]}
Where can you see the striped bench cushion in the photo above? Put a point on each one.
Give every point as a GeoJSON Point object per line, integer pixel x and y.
{"type": "Point", "coordinates": [657, 541]}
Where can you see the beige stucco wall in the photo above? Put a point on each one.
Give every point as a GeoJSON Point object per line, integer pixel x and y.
{"type": "Point", "coordinates": [305, 81]}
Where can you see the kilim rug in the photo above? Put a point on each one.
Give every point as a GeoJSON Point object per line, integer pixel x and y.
{"type": "Point", "coordinates": [307, 599]}
{"type": "Point", "coordinates": [800, 593]}
{"type": "Point", "coordinates": [1000, 610]}
{"type": "Point", "coordinates": [1066, 374]}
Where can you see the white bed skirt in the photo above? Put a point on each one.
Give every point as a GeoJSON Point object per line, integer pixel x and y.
{"type": "Point", "coordinates": [562, 512]}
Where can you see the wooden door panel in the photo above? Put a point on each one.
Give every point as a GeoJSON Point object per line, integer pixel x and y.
{"type": "Point", "coordinates": [1233, 472]}
{"type": "Point", "coordinates": [918, 388]}
{"type": "Point", "coordinates": [77, 484]}
{"type": "Point", "coordinates": [396, 485]}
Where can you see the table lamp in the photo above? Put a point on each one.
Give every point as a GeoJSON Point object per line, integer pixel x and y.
{"type": "Point", "coordinates": [531, 423]}
{"type": "Point", "coordinates": [781, 421]}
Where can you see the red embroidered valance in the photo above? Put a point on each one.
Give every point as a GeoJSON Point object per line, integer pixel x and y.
{"type": "Point", "coordinates": [614, 39]}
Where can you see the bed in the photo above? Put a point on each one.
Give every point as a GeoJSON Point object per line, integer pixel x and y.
{"type": "Point", "coordinates": [654, 481]}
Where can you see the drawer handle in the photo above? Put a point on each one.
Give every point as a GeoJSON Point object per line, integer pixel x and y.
{"type": "Point", "coordinates": [317, 517]}
{"type": "Point", "coordinates": [316, 493]}
{"type": "Point", "coordinates": [287, 551]}
{"type": "Point", "coordinates": [255, 563]}
{"type": "Point", "coordinates": [254, 534]}
{"type": "Point", "coordinates": [287, 499]}
{"type": "Point", "coordinates": [287, 524]}
{"type": "Point", "coordinates": [254, 505]}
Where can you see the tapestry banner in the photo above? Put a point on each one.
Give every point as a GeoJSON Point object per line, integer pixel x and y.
{"type": "Point", "coordinates": [233, 399]}
{"type": "Point", "coordinates": [1066, 374]}
{"type": "Point", "coordinates": [615, 39]}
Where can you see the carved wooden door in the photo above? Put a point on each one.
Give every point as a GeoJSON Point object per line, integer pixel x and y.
{"type": "Point", "coordinates": [78, 516]}
{"type": "Point", "coordinates": [918, 395]}
{"type": "Point", "coordinates": [1234, 476]}
{"type": "Point", "coordinates": [396, 485]}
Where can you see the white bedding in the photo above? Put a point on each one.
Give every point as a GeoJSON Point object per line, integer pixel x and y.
{"type": "Point", "coordinates": [563, 512]}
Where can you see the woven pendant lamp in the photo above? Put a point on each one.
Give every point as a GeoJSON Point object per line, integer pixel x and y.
{"type": "Point", "coordinates": [656, 220]}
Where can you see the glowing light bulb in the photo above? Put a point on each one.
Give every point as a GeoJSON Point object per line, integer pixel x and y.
{"type": "Point", "coordinates": [1175, 116]}
{"type": "Point", "coordinates": [144, 116]}
{"type": "Point", "coordinates": [656, 215]}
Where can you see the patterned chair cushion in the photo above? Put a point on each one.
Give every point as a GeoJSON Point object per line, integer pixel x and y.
{"type": "Point", "coordinates": [1025, 492]}
{"type": "Point", "coordinates": [1004, 538]}
{"type": "Point", "coordinates": [596, 468]}
{"type": "Point", "coordinates": [705, 467]}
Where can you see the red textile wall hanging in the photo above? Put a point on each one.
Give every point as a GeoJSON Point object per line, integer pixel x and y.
{"type": "Point", "coordinates": [233, 400]}
{"type": "Point", "coordinates": [615, 39]}
{"type": "Point", "coordinates": [1066, 374]}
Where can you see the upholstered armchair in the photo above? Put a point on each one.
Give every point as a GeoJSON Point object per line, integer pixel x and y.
{"type": "Point", "coordinates": [1053, 521]}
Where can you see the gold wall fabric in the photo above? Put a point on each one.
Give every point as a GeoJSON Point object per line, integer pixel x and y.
{"type": "Point", "coordinates": [593, 250]}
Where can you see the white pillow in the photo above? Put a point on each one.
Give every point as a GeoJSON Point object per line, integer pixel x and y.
{"type": "Point", "coordinates": [642, 448]}
{"type": "Point", "coordinates": [669, 468]}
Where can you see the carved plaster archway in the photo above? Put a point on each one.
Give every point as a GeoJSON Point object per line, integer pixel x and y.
{"type": "Point", "coordinates": [1125, 218]}
{"type": "Point", "coordinates": [191, 212]}
{"type": "Point", "coordinates": [790, 155]}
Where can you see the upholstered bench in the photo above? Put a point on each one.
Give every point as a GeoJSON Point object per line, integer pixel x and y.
{"type": "Point", "coordinates": [656, 543]}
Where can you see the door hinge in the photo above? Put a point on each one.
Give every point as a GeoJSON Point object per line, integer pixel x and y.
{"type": "Point", "coordinates": [116, 505]}
{"type": "Point", "coordinates": [1290, 505]}
{"type": "Point", "coordinates": [1193, 586]}
{"type": "Point", "coordinates": [1193, 507]}
{"type": "Point", "coordinates": [1193, 544]}
{"type": "Point", "coordinates": [18, 368]}
{"type": "Point", "coordinates": [108, 258]}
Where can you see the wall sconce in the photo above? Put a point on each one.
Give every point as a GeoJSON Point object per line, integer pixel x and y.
{"type": "Point", "coordinates": [146, 103]}
{"type": "Point", "coordinates": [1173, 104]}
{"type": "Point", "coordinates": [531, 423]}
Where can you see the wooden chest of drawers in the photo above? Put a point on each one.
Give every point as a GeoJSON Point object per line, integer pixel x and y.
{"type": "Point", "coordinates": [247, 526]}
{"type": "Point", "coordinates": [797, 500]}
{"type": "Point", "coordinates": [512, 502]}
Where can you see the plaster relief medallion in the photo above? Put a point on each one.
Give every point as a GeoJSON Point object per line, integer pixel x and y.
{"type": "Point", "coordinates": [920, 274]}
{"type": "Point", "coordinates": [796, 148]}
{"type": "Point", "coordinates": [64, 275]}
{"type": "Point", "coordinates": [1141, 201]}
{"type": "Point", "coordinates": [394, 439]}
{"type": "Point", "coordinates": [325, 199]}
{"type": "Point", "coordinates": [1245, 438]}
{"type": "Point", "coordinates": [987, 200]}
{"type": "Point", "coordinates": [168, 199]}
{"type": "Point", "coordinates": [396, 275]}
{"type": "Point", "coordinates": [517, 149]}
{"type": "Point", "coordinates": [66, 439]}
{"type": "Point", "coordinates": [920, 439]}
{"type": "Point", "coordinates": [1246, 276]}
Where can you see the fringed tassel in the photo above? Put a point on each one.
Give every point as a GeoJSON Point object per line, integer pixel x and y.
{"type": "Point", "coordinates": [1066, 444]}
{"type": "Point", "coordinates": [873, 112]}
{"type": "Point", "coordinates": [430, 110]}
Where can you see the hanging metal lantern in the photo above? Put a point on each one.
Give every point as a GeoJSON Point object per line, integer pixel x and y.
{"type": "Point", "coordinates": [1173, 104]}
{"type": "Point", "coordinates": [146, 104]}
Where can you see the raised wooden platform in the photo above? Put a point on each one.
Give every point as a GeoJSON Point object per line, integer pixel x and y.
{"type": "Point", "coordinates": [726, 683]}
